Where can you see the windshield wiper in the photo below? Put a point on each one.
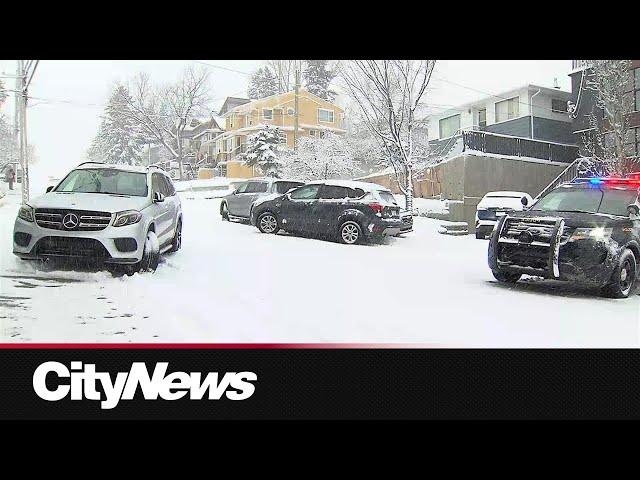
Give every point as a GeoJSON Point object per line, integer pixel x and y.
{"type": "Point", "coordinates": [576, 211]}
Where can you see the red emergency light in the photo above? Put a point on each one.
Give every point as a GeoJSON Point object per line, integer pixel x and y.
{"type": "Point", "coordinates": [610, 181]}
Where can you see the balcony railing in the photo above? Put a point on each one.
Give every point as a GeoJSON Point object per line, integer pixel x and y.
{"type": "Point", "coordinates": [518, 147]}
{"type": "Point", "coordinates": [578, 64]}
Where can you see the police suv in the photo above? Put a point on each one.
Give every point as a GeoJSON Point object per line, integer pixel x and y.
{"type": "Point", "coordinates": [585, 231]}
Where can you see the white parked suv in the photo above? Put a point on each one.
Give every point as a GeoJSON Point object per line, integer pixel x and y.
{"type": "Point", "coordinates": [122, 216]}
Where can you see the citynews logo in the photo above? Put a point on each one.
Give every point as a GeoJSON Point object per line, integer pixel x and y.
{"type": "Point", "coordinates": [176, 385]}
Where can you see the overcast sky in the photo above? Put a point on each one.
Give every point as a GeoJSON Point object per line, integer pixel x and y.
{"type": "Point", "coordinates": [68, 94]}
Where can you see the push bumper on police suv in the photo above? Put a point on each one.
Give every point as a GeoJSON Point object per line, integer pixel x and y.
{"type": "Point", "coordinates": [546, 247]}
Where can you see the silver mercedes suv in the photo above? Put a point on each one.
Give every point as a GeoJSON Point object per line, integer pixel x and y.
{"type": "Point", "coordinates": [122, 216]}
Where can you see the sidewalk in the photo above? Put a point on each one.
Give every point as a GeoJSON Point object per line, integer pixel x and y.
{"type": "Point", "coordinates": [10, 197]}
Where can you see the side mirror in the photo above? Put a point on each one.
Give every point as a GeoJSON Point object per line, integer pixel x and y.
{"type": "Point", "coordinates": [524, 201]}
{"type": "Point", "coordinates": [158, 197]}
{"type": "Point", "coordinates": [49, 188]}
{"type": "Point", "coordinates": [633, 209]}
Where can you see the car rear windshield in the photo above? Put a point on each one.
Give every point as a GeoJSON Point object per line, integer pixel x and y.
{"type": "Point", "coordinates": [387, 197]}
{"type": "Point", "coordinates": [106, 181]}
{"type": "Point", "coordinates": [284, 187]}
{"type": "Point", "coordinates": [612, 201]}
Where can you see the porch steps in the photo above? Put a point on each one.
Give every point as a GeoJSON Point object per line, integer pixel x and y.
{"type": "Point", "coordinates": [454, 228]}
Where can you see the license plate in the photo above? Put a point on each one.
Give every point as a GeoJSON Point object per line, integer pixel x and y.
{"type": "Point", "coordinates": [500, 214]}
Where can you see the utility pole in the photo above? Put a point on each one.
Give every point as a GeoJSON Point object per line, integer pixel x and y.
{"type": "Point", "coordinates": [23, 80]}
{"type": "Point", "coordinates": [21, 122]}
{"type": "Point", "coordinates": [296, 106]}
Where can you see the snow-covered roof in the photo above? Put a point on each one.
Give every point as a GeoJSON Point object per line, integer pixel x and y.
{"type": "Point", "coordinates": [502, 95]}
{"type": "Point", "coordinates": [322, 127]}
{"type": "Point", "coordinates": [248, 107]}
{"type": "Point", "coordinates": [208, 130]}
{"type": "Point", "coordinates": [351, 184]}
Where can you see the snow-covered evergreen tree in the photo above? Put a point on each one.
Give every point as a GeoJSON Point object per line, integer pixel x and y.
{"type": "Point", "coordinates": [263, 148]}
{"type": "Point", "coordinates": [317, 77]}
{"type": "Point", "coordinates": [120, 139]}
{"type": "Point", "coordinates": [330, 157]}
{"type": "Point", "coordinates": [263, 84]}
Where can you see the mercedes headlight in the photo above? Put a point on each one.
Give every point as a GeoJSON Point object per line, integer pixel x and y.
{"type": "Point", "coordinates": [26, 213]}
{"type": "Point", "coordinates": [128, 217]}
{"type": "Point", "coordinates": [597, 233]}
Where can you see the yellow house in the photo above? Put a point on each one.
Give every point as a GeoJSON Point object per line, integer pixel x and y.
{"type": "Point", "coordinates": [316, 116]}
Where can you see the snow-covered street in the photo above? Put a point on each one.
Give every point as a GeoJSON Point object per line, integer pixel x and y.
{"type": "Point", "coordinates": [229, 283]}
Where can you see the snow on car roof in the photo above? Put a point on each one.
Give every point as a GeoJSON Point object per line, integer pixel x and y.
{"type": "Point", "coordinates": [506, 194]}
{"type": "Point", "coordinates": [273, 179]}
{"type": "Point", "coordinates": [126, 168]}
{"type": "Point", "coordinates": [352, 184]}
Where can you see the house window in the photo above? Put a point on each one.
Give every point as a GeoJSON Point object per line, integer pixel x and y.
{"type": "Point", "coordinates": [229, 144]}
{"type": "Point", "coordinates": [290, 112]}
{"type": "Point", "coordinates": [449, 126]}
{"type": "Point", "coordinates": [482, 117]}
{"type": "Point", "coordinates": [267, 113]}
{"type": "Point", "coordinates": [249, 120]}
{"type": "Point", "coordinates": [231, 121]}
{"type": "Point", "coordinates": [632, 142]}
{"type": "Point", "coordinates": [312, 133]}
{"type": "Point", "coordinates": [237, 141]}
{"type": "Point", "coordinates": [322, 134]}
{"type": "Point", "coordinates": [558, 106]}
{"type": "Point", "coordinates": [507, 109]}
{"type": "Point", "coordinates": [325, 115]}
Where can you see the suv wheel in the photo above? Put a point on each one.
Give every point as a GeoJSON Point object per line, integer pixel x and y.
{"type": "Point", "coordinates": [224, 211]}
{"type": "Point", "coordinates": [177, 239]}
{"type": "Point", "coordinates": [506, 277]}
{"type": "Point", "coordinates": [350, 233]}
{"type": "Point", "coordinates": [267, 223]}
{"type": "Point", "coordinates": [150, 256]}
{"type": "Point", "coordinates": [624, 276]}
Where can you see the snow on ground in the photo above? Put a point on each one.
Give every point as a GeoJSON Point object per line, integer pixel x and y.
{"type": "Point", "coordinates": [425, 205]}
{"type": "Point", "coordinates": [229, 283]}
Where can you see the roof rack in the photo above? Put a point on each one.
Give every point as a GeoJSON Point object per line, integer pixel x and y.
{"type": "Point", "coordinates": [94, 163]}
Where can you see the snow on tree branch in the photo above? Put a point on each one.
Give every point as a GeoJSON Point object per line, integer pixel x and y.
{"type": "Point", "coordinates": [162, 111]}
{"type": "Point", "coordinates": [609, 149]}
{"type": "Point", "coordinates": [390, 95]}
{"type": "Point", "coordinates": [330, 157]}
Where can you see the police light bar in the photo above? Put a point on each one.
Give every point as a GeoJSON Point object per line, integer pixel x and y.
{"type": "Point", "coordinates": [609, 181]}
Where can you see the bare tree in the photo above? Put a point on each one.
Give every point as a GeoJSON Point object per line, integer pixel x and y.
{"type": "Point", "coordinates": [163, 111]}
{"type": "Point", "coordinates": [284, 71]}
{"type": "Point", "coordinates": [390, 94]}
{"type": "Point", "coordinates": [607, 154]}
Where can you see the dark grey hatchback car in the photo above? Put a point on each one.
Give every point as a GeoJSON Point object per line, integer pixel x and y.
{"type": "Point", "coordinates": [352, 212]}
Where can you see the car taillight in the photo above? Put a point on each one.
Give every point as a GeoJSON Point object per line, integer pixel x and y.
{"type": "Point", "coordinates": [377, 208]}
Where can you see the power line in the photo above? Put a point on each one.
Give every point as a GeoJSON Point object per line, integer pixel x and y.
{"type": "Point", "coordinates": [221, 68]}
